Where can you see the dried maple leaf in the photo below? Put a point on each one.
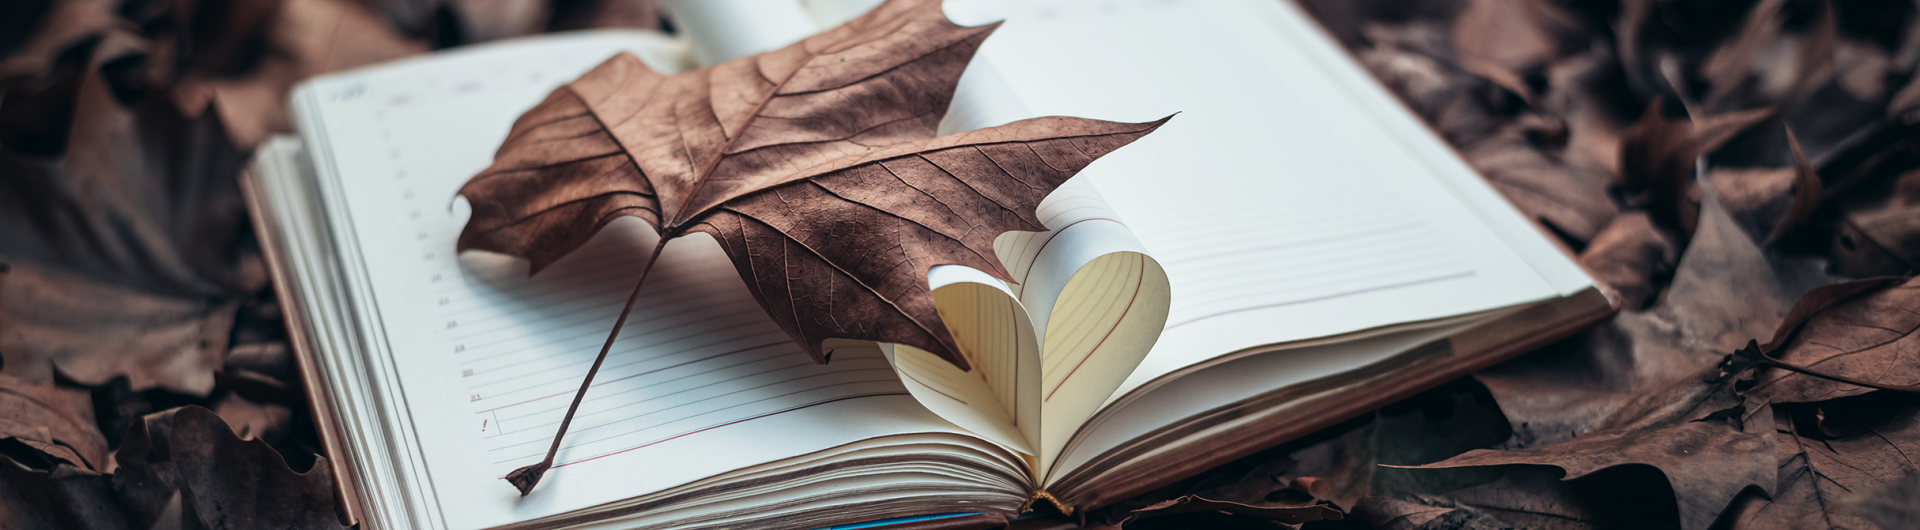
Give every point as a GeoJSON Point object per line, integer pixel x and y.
{"type": "Point", "coordinates": [1872, 335]}
{"type": "Point", "coordinates": [1696, 432]}
{"type": "Point", "coordinates": [1658, 156]}
{"type": "Point", "coordinates": [126, 250]}
{"type": "Point", "coordinates": [1503, 40]}
{"type": "Point", "coordinates": [813, 165]}
{"type": "Point", "coordinates": [1197, 504]}
{"type": "Point", "coordinates": [1892, 505]}
{"type": "Point", "coordinates": [55, 420]}
{"type": "Point", "coordinates": [1726, 290]}
{"type": "Point", "coordinates": [1631, 256]}
{"type": "Point", "coordinates": [1770, 202]}
{"type": "Point", "coordinates": [60, 498]}
{"type": "Point", "coordinates": [190, 456]}
{"type": "Point", "coordinates": [1816, 476]}
{"type": "Point", "coordinates": [304, 38]}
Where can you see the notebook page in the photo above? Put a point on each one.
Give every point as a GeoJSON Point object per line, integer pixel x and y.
{"type": "Point", "coordinates": [1092, 293]}
{"type": "Point", "coordinates": [1282, 205]}
{"type": "Point", "coordinates": [482, 360]}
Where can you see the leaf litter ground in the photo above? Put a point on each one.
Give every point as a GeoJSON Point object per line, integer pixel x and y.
{"type": "Point", "coordinates": [1726, 166]}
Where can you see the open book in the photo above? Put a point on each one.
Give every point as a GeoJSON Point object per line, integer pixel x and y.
{"type": "Point", "coordinates": [1293, 249]}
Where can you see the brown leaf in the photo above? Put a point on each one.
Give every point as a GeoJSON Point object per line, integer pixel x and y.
{"type": "Point", "coordinates": [220, 480]}
{"type": "Point", "coordinates": [1884, 216]}
{"type": "Point", "coordinates": [1197, 504]}
{"type": "Point", "coordinates": [31, 44]}
{"type": "Point", "coordinates": [1709, 454]}
{"type": "Point", "coordinates": [588, 14]}
{"type": "Point", "coordinates": [1657, 156]}
{"type": "Point", "coordinates": [1726, 291]}
{"type": "Point", "coordinates": [813, 165]}
{"type": "Point", "coordinates": [127, 251]}
{"type": "Point", "coordinates": [1816, 476]}
{"type": "Point", "coordinates": [304, 38]}
{"type": "Point", "coordinates": [1424, 513]}
{"type": "Point", "coordinates": [1630, 256]}
{"type": "Point", "coordinates": [1895, 504]}
{"type": "Point", "coordinates": [1571, 200]}
{"type": "Point", "coordinates": [1535, 498]}
{"type": "Point", "coordinates": [62, 498]}
{"type": "Point", "coordinates": [1501, 39]}
{"type": "Point", "coordinates": [57, 421]}
{"type": "Point", "coordinates": [485, 20]}
{"type": "Point", "coordinates": [1762, 65]}
{"type": "Point", "coordinates": [1385, 513]}
{"type": "Point", "coordinates": [1869, 335]}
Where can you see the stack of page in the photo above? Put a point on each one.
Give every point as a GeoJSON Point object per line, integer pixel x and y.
{"type": "Point", "coordinates": [1294, 248]}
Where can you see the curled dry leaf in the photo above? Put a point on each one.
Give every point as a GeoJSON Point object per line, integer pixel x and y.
{"type": "Point", "coordinates": [1883, 218]}
{"type": "Point", "coordinates": [1726, 290]}
{"type": "Point", "coordinates": [1571, 200]}
{"type": "Point", "coordinates": [1696, 433]}
{"type": "Point", "coordinates": [586, 14]}
{"type": "Point", "coordinates": [1769, 202]}
{"type": "Point", "coordinates": [220, 481]}
{"type": "Point", "coordinates": [1761, 65]}
{"type": "Point", "coordinates": [127, 250]}
{"type": "Point", "coordinates": [31, 46]}
{"type": "Point", "coordinates": [1816, 476]}
{"type": "Point", "coordinates": [813, 165]}
{"type": "Point", "coordinates": [1424, 512]}
{"type": "Point", "coordinates": [1631, 256]}
{"type": "Point", "coordinates": [64, 497]}
{"type": "Point", "coordinates": [1895, 504]}
{"type": "Point", "coordinates": [1658, 155]}
{"type": "Point", "coordinates": [56, 421]}
{"type": "Point", "coordinates": [1196, 504]}
{"type": "Point", "coordinates": [304, 38]}
{"type": "Point", "coordinates": [1534, 497]}
{"type": "Point", "coordinates": [1505, 40]}
{"type": "Point", "coordinates": [1868, 335]}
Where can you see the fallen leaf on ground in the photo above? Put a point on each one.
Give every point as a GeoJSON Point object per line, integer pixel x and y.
{"type": "Point", "coordinates": [1869, 336]}
{"type": "Point", "coordinates": [1572, 201]}
{"type": "Point", "coordinates": [220, 480]}
{"type": "Point", "coordinates": [1885, 216]}
{"type": "Point", "coordinates": [128, 249]}
{"type": "Point", "coordinates": [816, 160]}
{"type": "Point", "coordinates": [304, 38]}
{"type": "Point", "coordinates": [1423, 513]}
{"type": "Point", "coordinates": [1726, 291]}
{"type": "Point", "coordinates": [56, 421]}
{"type": "Point", "coordinates": [1696, 433]}
{"type": "Point", "coordinates": [571, 15]}
{"type": "Point", "coordinates": [63, 498]}
{"type": "Point", "coordinates": [1195, 504]}
{"type": "Point", "coordinates": [1895, 504]}
{"type": "Point", "coordinates": [1632, 257]}
{"type": "Point", "coordinates": [1816, 476]}
{"type": "Point", "coordinates": [1657, 158]}
{"type": "Point", "coordinates": [1505, 40]}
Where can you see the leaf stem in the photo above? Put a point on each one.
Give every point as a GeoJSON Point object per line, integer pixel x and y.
{"type": "Point", "coordinates": [526, 477]}
{"type": "Point", "coordinates": [1753, 349]}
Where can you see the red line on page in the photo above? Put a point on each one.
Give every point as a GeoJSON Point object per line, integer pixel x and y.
{"type": "Point", "coordinates": [1056, 233]}
{"type": "Point", "coordinates": [1137, 284]}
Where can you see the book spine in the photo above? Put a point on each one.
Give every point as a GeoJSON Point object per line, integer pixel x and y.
{"type": "Point", "coordinates": [299, 334]}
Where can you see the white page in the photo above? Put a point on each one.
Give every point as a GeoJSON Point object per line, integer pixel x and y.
{"type": "Point", "coordinates": [1286, 202]}
{"type": "Point", "coordinates": [484, 360]}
